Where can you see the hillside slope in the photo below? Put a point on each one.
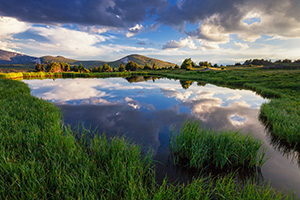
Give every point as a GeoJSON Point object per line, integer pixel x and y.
{"type": "Point", "coordinates": [7, 57]}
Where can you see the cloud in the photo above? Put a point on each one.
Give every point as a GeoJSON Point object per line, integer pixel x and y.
{"type": "Point", "coordinates": [138, 28]}
{"type": "Point", "coordinates": [112, 13]}
{"type": "Point", "coordinates": [218, 19]}
{"type": "Point", "coordinates": [66, 41]}
{"type": "Point", "coordinates": [241, 45]}
{"type": "Point", "coordinates": [186, 42]}
{"type": "Point", "coordinates": [171, 92]}
{"type": "Point", "coordinates": [10, 26]}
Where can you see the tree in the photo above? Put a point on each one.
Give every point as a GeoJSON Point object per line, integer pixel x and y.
{"type": "Point", "coordinates": [67, 67]}
{"type": "Point", "coordinates": [75, 68]}
{"type": "Point", "coordinates": [121, 68]}
{"type": "Point", "coordinates": [107, 68]}
{"type": "Point", "coordinates": [131, 66]}
{"type": "Point", "coordinates": [176, 67]}
{"type": "Point", "coordinates": [53, 67]}
{"type": "Point", "coordinates": [80, 68]}
{"type": "Point", "coordinates": [43, 68]}
{"type": "Point", "coordinates": [187, 64]}
{"type": "Point", "coordinates": [154, 66]}
{"type": "Point", "coordinates": [216, 65]}
{"type": "Point", "coordinates": [147, 67]}
{"type": "Point", "coordinates": [38, 67]}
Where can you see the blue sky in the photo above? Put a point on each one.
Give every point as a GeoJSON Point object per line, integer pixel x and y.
{"type": "Point", "coordinates": [219, 31]}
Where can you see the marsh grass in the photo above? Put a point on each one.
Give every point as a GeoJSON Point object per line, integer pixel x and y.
{"type": "Point", "coordinates": [281, 114]}
{"type": "Point", "coordinates": [40, 158]}
{"type": "Point", "coordinates": [34, 75]}
{"type": "Point", "coordinates": [204, 148]}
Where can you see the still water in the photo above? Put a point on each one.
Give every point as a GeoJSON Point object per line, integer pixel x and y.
{"type": "Point", "coordinates": [146, 110]}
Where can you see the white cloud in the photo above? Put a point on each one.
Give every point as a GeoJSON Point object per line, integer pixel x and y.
{"type": "Point", "coordinates": [67, 90]}
{"type": "Point", "coordinates": [241, 45]}
{"type": "Point", "coordinates": [10, 26]}
{"type": "Point", "coordinates": [171, 92]}
{"type": "Point", "coordinates": [183, 42]}
{"type": "Point", "coordinates": [71, 41]}
{"type": "Point", "coordinates": [138, 28]}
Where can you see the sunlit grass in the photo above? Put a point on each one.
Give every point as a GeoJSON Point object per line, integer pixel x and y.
{"type": "Point", "coordinates": [204, 148]}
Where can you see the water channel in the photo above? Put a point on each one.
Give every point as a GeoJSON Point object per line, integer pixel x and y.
{"type": "Point", "coordinates": [146, 110]}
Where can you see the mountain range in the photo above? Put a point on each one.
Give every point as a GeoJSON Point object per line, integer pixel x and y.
{"type": "Point", "coordinates": [10, 59]}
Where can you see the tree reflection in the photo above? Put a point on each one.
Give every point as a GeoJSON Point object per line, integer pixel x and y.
{"type": "Point", "coordinates": [186, 84]}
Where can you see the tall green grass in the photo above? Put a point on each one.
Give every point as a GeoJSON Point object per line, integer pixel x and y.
{"type": "Point", "coordinates": [281, 114]}
{"type": "Point", "coordinates": [42, 159]}
{"type": "Point", "coordinates": [204, 148]}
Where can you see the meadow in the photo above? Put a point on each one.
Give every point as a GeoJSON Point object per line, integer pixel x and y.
{"type": "Point", "coordinates": [41, 158]}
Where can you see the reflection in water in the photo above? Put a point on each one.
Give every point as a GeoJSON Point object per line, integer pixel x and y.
{"type": "Point", "coordinates": [186, 84]}
{"type": "Point", "coordinates": [146, 111]}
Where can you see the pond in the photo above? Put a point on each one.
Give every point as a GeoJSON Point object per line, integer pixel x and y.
{"type": "Point", "coordinates": [146, 110]}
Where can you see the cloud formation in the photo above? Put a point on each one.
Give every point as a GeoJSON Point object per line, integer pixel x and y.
{"type": "Point", "coordinates": [113, 13]}
{"type": "Point", "coordinates": [186, 42]}
{"type": "Point", "coordinates": [249, 20]}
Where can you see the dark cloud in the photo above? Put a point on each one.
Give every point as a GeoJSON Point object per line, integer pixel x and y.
{"type": "Point", "coordinates": [219, 17]}
{"type": "Point", "coordinates": [113, 13]}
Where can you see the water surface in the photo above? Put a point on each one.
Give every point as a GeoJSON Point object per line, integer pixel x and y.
{"type": "Point", "coordinates": [145, 110]}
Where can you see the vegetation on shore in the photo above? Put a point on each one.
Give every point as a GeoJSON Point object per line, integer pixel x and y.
{"type": "Point", "coordinates": [204, 148]}
{"type": "Point", "coordinates": [41, 159]}
{"type": "Point", "coordinates": [281, 115]}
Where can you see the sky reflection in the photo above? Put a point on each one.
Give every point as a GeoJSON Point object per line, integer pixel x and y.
{"type": "Point", "coordinates": [146, 112]}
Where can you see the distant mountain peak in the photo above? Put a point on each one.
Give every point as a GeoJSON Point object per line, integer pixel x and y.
{"type": "Point", "coordinates": [7, 57]}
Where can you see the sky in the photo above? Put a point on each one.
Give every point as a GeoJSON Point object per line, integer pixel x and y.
{"type": "Point", "coordinates": [219, 31]}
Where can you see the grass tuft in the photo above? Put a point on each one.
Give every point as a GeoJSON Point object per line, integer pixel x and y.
{"type": "Point", "coordinates": [204, 148]}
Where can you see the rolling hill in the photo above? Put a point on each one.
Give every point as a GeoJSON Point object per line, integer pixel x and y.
{"type": "Point", "coordinates": [139, 59]}
{"type": "Point", "coordinates": [7, 57]}
{"type": "Point", "coordinates": [10, 59]}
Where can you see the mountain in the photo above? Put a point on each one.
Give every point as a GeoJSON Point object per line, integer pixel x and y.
{"type": "Point", "coordinates": [10, 59]}
{"type": "Point", "coordinates": [7, 57]}
{"type": "Point", "coordinates": [141, 61]}
{"type": "Point", "coordinates": [58, 59]}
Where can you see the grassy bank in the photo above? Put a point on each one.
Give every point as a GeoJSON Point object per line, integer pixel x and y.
{"type": "Point", "coordinates": [281, 114]}
{"type": "Point", "coordinates": [31, 75]}
{"type": "Point", "coordinates": [41, 159]}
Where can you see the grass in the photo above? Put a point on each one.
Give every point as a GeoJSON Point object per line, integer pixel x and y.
{"type": "Point", "coordinates": [203, 148]}
{"type": "Point", "coordinates": [30, 75]}
{"type": "Point", "coordinates": [42, 159]}
{"type": "Point", "coordinates": [281, 114]}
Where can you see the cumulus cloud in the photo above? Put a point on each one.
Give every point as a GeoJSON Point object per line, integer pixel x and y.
{"type": "Point", "coordinates": [186, 42]}
{"type": "Point", "coordinates": [249, 20]}
{"type": "Point", "coordinates": [10, 26]}
{"type": "Point", "coordinates": [67, 41]}
{"type": "Point", "coordinates": [241, 45]}
{"type": "Point", "coordinates": [138, 28]}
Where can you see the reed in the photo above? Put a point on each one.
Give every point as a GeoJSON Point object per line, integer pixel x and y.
{"type": "Point", "coordinates": [204, 148]}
